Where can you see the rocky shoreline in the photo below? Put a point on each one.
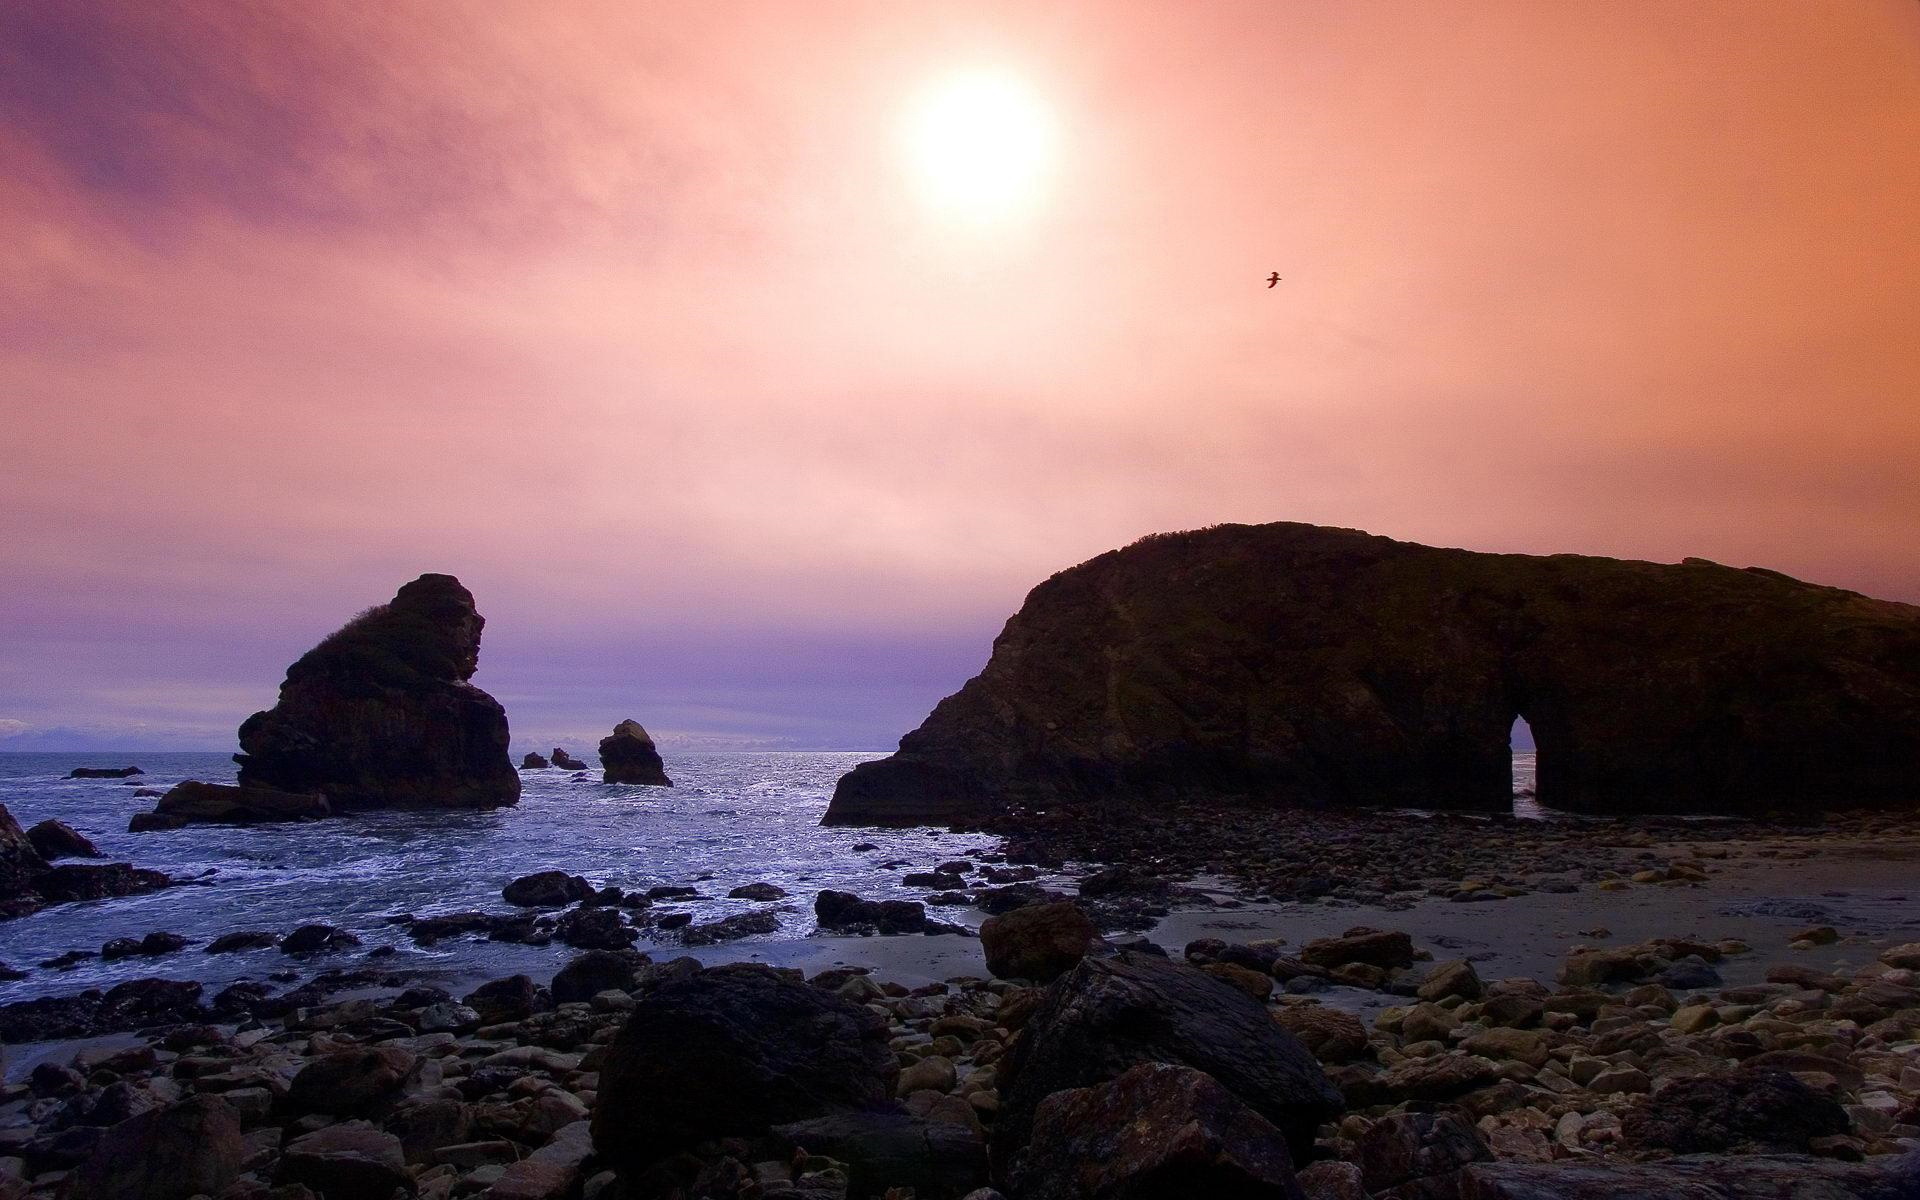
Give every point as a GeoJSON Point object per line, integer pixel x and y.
{"type": "Point", "coordinates": [1615, 1072]}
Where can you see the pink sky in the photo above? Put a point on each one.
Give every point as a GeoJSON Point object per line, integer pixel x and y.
{"type": "Point", "coordinates": [632, 317]}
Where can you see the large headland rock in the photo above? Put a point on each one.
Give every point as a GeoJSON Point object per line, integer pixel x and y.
{"type": "Point", "coordinates": [381, 714]}
{"type": "Point", "coordinates": [1298, 664]}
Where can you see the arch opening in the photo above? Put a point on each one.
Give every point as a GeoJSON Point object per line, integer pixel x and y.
{"type": "Point", "coordinates": [1526, 770]}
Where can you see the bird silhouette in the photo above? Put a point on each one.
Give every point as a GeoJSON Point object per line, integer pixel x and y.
{"type": "Point", "coordinates": [1273, 279]}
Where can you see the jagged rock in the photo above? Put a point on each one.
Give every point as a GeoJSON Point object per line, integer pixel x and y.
{"type": "Point", "coordinates": [627, 755]}
{"type": "Point", "coordinates": [1417, 1155]}
{"type": "Point", "coordinates": [381, 714]}
{"type": "Point", "coordinates": [103, 772]}
{"type": "Point", "coordinates": [567, 762]}
{"type": "Point", "coordinates": [20, 866]}
{"type": "Point", "coordinates": [1156, 1130]}
{"type": "Point", "coordinates": [190, 1148]}
{"type": "Point", "coordinates": [1039, 942]}
{"type": "Point", "coordinates": [1109, 1014]}
{"type": "Point", "coordinates": [534, 762]}
{"type": "Point", "coordinates": [546, 889]}
{"type": "Point", "coordinates": [57, 839]}
{"type": "Point", "coordinates": [1744, 1110]}
{"type": "Point", "coordinates": [348, 1161]}
{"type": "Point", "coordinates": [594, 929]}
{"type": "Point", "coordinates": [550, 1172]}
{"type": "Point", "coordinates": [732, 1050]}
{"type": "Point", "coordinates": [1457, 978]}
{"type": "Point", "coordinates": [728, 929]}
{"type": "Point", "coordinates": [193, 802]}
{"type": "Point", "coordinates": [1297, 663]}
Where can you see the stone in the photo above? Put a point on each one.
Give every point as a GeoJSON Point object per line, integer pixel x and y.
{"type": "Point", "coordinates": [1449, 979]}
{"type": "Point", "coordinates": [885, 1150]}
{"type": "Point", "coordinates": [196, 803]}
{"type": "Point", "coordinates": [1332, 1180]}
{"type": "Point", "coordinates": [1333, 1036]}
{"type": "Point", "coordinates": [594, 929]}
{"type": "Point", "coordinates": [627, 755]}
{"type": "Point", "coordinates": [546, 889]}
{"type": "Point", "coordinates": [1693, 1018]}
{"type": "Point", "coordinates": [104, 772]}
{"type": "Point", "coordinates": [244, 939]}
{"type": "Point", "coordinates": [1746, 1110]}
{"type": "Point", "coordinates": [1417, 1147]}
{"type": "Point", "coordinates": [1330, 667]}
{"type": "Point", "coordinates": [534, 762]}
{"type": "Point", "coordinates": [1442, 1077]}
{"type": "Point", "coordinates": [932, 1073]}
{"type": "Point", "coordinates": [1039, 942]}
{"type": "Point", "coordinates": [550, 1172]}
{"type": "Point", "coordinates": [350, 1083]}
{"type": "Point", "coordinates": [317, 939]}
{"type": "Point", "coordinates": [842, 912]}
{"type": "Point", "coordinates": [383, 713]}
{"type": "Point", "coordinates": [1905, 957]}
{"type": "Point", "coordinates": [1370, 947]}
{"type": "Point", "coordinates": [190, 1148]}
{"type": "Point", "coordinates": [28, 883]}
{"type": "Point", "coordinates": [729, 1051]}
{"type": "Point", "coordinates": [1705, 1177]}
{"type": "Point", "coordinates": [758, 891]}
{"type": "Point", "coordinates": [1589, 968]}
{"type": "Point", "coordinates": [1155, 1131]}
{"type": "Point", "coordinates": [514, 998]}
{"type": "Point", "coordinates": [57, 839]}
{"type": "Point", "coordinates": [1516, 1045]}
{"type": "Point", "coordinates": [1257, 984]}
{"type": "Point", "coordinates": [151, 946]}
{"type": "Point", "coordinates": [348, 1161]}
{"type": "Point", "coordinates": [594, 972]}
{"type": "Point", "coordinates": [1109, 1014]}
{"type": "Point", "coordinates": [566, 761]}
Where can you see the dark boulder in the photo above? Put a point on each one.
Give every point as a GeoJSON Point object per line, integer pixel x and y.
{"type": "Point", "coordinates": [350, 1083]}
{"type": "Point", "coordinates": [534, 762]}
{"type": "Point", "coordinates": [317, 939]}
{"type": "Point", "coordinates": [627, 755]}
{"type": "Point", "coordinates": [1157, 1132]}
{"type": "Point", "coordinates": [348, 1161]}
{"type": "Point", "coordinates": [191, 1148]}
{"type": "Point", "coordinates": [758, 891]}
{"type": "Point", "coordinates": [567, 762]}
{"type": "Point", "coordinates": [594, 929]}
{"type": "Point", "coordinates": [151, 946]}
{"type": "Point", "coordinates": [104, 772]}
{"type": "Point", "coordinates": [733, 928]}
{"type": "Point", "coordinates": [1374, 947]}
{"type": "Point", "coordinates": [104, 881]}
{"type": "Point", "coordinates": [514, 998]}
{"type": "Point", "coordinates": [594, 972]}
{"type": "Point", "coordinates": [730, 1051]}
{"type": "Point", "coordinates": [196, 803]}
{"type": "Point", "coordinates": [1744, 1110]}
{"type": "Point", "coordinates": [1327, 666]}
{"type": "Point", "coordinates": [886, 1149]}
{"type": "Point", "coordinates": [1039, 942]}
{"type": "Point", "coordinates": [57, 839]}
{"type": "Point", "coordinates": [1109, 1014]}
{"type": "Point", "coordinates": [1418, 1155]}
{"type": "Point", "coordinates": [844, 912]}
{"type": "Point", "coordinates": [381, 714]}
{"type": "Point", "coordinates": [244, 939]}
{"type": "Point", "coordinates": [546, 889]}
{"type": "Point", "coordinates": [21, 866]}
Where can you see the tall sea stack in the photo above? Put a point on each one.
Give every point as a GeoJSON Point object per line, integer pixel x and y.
{"type": "Point", "coordinates": [380, 714]}
{"type": "Point", "coordinates": [627, 755]}
{"type": "Point", "coordinates": [1291, 663]}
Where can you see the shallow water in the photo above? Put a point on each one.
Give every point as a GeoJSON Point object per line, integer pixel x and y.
{"type": "Point", "coordinates": [731, 819]}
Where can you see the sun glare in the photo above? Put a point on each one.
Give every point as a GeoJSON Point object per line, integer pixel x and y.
{"type": "Point", "coordinates": [980, 145]}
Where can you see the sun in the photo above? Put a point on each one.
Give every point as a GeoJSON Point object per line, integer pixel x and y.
{"type": "Point", "coordinates": [980, 145]}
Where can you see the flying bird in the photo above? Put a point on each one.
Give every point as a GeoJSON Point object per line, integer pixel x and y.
{"type": "Point", "coordinates": [1273, 279]}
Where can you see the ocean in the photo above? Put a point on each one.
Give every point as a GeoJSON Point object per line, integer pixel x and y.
{"type": "Point", "coordinates": [730, 819]}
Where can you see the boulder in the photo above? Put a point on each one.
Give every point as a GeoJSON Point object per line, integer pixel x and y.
{"type": "Point", "coordinates": [348, 1161]}
{"type": "Point", "coordinates": [1372, 947]}
{"type": "Point", "coordinates": [1417, 1154]}
{"type": "Point", "coordinates": [627, 755]}
{"type": "Point", "coordinates": [1040, 942]}
{"type": "Point", "coordinates": [1109, 1014]}
{"type": "Point", "coordinates": [1745, 1110]}
{"type": "Point", "coordinates": [1327, 666]}
{"type": "Point", "coordinates": [513, 998]}
{"type": "Point", "coordinates": [381, 714]}
{"type": "Point", "coordinates": [546, 889]}
{"type": "Point", "coordinates": [317, 939]}
{"type": "Point", "coordinates": [549, 1173]}
{"type": "Point", "coordinates": [567, 762]}
{"type": "Point", "coordinates": [884, 1149]}
{"type": "Point", "coordinates": [350, 1083]}
{"type": "Point", "coordinates": [21, 867]}
{"type": "Point", "coordinates": [844, 912]}
{"type": "Point", "coordinates": [758, 891]}
{"type": "Point", "coordinates": [57, 839]}
{"type": "Point", "coordinates": [729, 1051]}
{"type": "Point", "coordinates": [1456, 978]}
{"type": "Point", "coordinates": [104, 772]}
{"type": "Point", "coordinates": [196, 803]}
{"type": "Point", "coordinates": [1155, 1131]}
{"type": "Point", "coordinates": [534, 762]}
{"type": "Point", "coordinates": [594, 972]}
{"type": "Point", "coordinates": [243, 939]}
{"type": "Point", "coordinates": [190, 1148]}
{"type": "Point", "coordinates": [1333, 1036]}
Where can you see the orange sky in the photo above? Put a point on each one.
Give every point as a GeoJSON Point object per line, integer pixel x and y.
{"type": "Point", "coordinates": [632, 317]}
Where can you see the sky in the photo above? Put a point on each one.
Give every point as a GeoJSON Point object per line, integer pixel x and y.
{"type": "Point", "coordinates": [750, 362]}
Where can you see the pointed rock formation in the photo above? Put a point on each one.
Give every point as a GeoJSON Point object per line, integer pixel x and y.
{"type": "Point", "coordinates": [627, 756]}
{"type": "Point", "coordinates": [1291, 663]}
{"type": "Point", "coordinates": [381, 713]}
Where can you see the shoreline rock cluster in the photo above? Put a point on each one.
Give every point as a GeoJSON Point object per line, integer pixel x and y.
{"type": "Point", "coordinates": [30, 881]}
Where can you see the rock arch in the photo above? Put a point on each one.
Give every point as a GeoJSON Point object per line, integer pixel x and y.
{"type": "Point", "coordinates": [1298, 664]}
